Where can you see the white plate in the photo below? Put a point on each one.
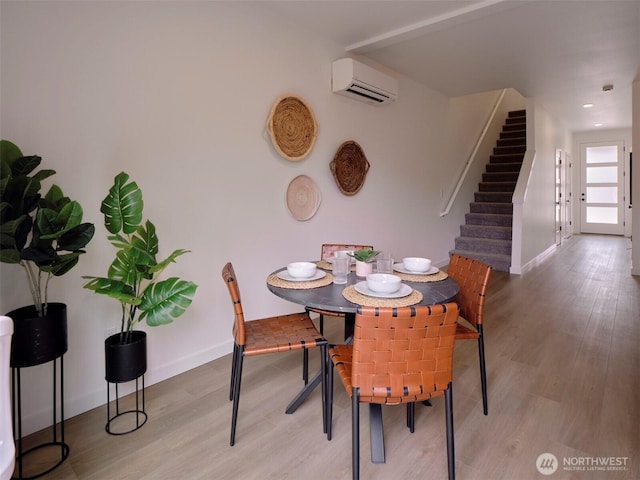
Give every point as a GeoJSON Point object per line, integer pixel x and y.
{"type": "Point", "coordinates": [400, 268]}
{"type": "Point", "coordinates": [361, 287]}
{"type": "Point", "coordinates": [284, 275]}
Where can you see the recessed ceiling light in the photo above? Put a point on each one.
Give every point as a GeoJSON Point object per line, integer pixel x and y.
{"type": "Point", "coordinates": [587, 105]}
{"type": "Point", "coordinates": [598, 124]}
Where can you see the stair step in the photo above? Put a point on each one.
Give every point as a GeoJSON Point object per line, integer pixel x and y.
{"type": "Point", "coordinates": [485, 231]}
{"type": "Point", "coordinates": [483, 245]}
{"type": "Point", "coordinates": [512, 142]}
{"type": "Point", "coordinates": [501, 263]}
{"type": "Point", "coordinates": [504, 167]}
{"type": "Point", "coordinates": [515, 120]}
{"type": "Point", "coordinates": [509, 127]}
{"type": "Point", "coordinates": [493, 197]}
{"type": "Point", "coordinates": [518, 113]}
{"type": "Point", "coordinates": [506, 158]}
{"type": "Point", "coordinates": [514, 134]}
{"type": "Point", "coordinates": [500, 176]}
{"type": "Point", "coordinates": [490, 219]}
{"type": "Point", "coordinates": [510, 149]}
{"type": "Point", "coordinates": [491, 207]}
{"type": "Point", "coordinates": [502, 187]}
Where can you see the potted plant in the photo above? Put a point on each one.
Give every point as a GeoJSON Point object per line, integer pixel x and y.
{"type": "Point", "coordinates": [364, 257]}
{"type": "Point", "coordinates": [45, 236]}
{"type": "Point", "coordinates": [133, 280]}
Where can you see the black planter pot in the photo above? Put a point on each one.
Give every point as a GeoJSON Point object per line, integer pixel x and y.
{"type": "Point", "coordinates": [125, 361]}
{"type": "Point", "coordinates": [38, 340]}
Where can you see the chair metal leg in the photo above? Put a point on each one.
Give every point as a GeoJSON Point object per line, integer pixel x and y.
{"type": "Point", "coordinates": [321, 324]}
{"type": "Point", "coordinates": [483, 371]}
{"type": "Point", "coordinates": [329, 399]}
{"type": "Point", "coordinates": [236, 392]}
{"type": "Point", "coordinates": [305, 366]}
{"type": "Point", "coordinates": [355, 433]}
{"type": "Point", "coordinates": [234, 361]}
{"type": "Point", "coordinates": [411, 416]}
{"type": "Point", "coordinates": [323, 368]}
{"type": "Point", "coordinates": [451, 460]}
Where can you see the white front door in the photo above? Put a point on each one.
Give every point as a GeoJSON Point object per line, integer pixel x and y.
{"type": "Point", "coordinates": [602, 188]}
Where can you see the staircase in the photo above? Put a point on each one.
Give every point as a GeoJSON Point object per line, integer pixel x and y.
{"type": "Point", "coordinates": [486, 234]}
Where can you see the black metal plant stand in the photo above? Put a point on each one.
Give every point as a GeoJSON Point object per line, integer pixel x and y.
{"type": "Point", "coordinates": [138, 411]}
{"type": "Point", "coordinates": [57, 440]}
{"type": "Point", "coordinates": [126, 361]}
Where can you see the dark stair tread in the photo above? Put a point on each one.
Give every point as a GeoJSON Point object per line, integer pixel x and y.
{"type": "Point", "coordinates": [507, 167]}
{"type": "Point", "coordinates": [486, 231]}
{"type": "Point", "coordinates": [497, 262]}
{"type": "Point", "coordinates": [491, 208]}
{"type": "Point", "coordinates": [497, 187]}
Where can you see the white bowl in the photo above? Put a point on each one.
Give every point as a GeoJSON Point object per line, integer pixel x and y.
{"type": "Point", "coordinates": [416, 264]}
{"type": "Point", "coordinates": [301, 269]}
{"type": "Point", "coordinates": [383, 282]}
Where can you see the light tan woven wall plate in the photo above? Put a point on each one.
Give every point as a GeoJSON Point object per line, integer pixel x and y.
{"type": "Point", "coordinates": [303, 198]}
{"type": "Point", "coordinates": [292, 127]}
{"type": "Point", "coordinates": [349, 167]}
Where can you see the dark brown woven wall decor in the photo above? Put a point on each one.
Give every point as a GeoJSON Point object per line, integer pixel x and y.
{"type": "Point", "coordinates": [349, 167]}
{"type": "Point", "coordinates": [292, 127]}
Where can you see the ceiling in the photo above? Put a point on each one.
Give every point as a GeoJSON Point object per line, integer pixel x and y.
{"type": "Point", "coordinates": [562, 52]}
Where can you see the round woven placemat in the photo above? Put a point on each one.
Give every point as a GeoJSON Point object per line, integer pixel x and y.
{"type": "Point", "coordinates": [349, 167]}
{"type": "Point", "coordinates": [434, 277]}
{"type": "Point", "coordinates": [276, 281]}
{"type": "Point", "coordinates": [351, 294]}
{"type": "Point", "coordinates": [292, 127]}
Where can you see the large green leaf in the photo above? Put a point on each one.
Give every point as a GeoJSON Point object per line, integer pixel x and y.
{"type": "Point", "coordinates": [163, 301]}
{"type": "Point", "coordinates": [53, 224]}
{"type": "Point", "coordinates": [170, 259]}
{"type": "Point", "coordinates": [9, 152]}
{"type": "Point", "coordinates": [76, 238]}
{"type": "Point", "coordinates": [124, 267]}
{"type": "Point", "coordinates": [122, 207]}
{"type": "Point", "coordinates": [63, 263]}
{"type": "Point", "coordinates": [146, 240]}
{"type": "Point", "coordinates": [112, 288]}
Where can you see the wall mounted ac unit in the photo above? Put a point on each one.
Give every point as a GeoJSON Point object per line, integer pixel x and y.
{"type": "Point", "coordinates": [361, 82]}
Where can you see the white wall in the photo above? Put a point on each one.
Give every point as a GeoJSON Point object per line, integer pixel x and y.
{"type": "Point", "coordinates": [177, 94]}
{"type": "Point", "coordinates": [544, 136]}
{"type": "Point", "coordinates": [635, 253]}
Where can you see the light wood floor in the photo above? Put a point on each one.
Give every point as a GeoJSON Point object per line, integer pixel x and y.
{"type": "Point", "coordinates": [563, 361]}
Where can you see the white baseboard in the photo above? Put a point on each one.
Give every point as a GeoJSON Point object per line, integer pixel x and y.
{"type": "Point", "coordinates": [83, 403]}
{"type": "Point", "coordinates": [536, 261]}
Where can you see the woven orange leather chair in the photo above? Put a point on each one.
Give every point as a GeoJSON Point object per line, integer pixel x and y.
{"type": "Point", "coordinates": [398, 355]}
{"type": "Point", "coordinates": [473, 278]}
{"type": "Point", "coordinates": [329, 250]}
{"type": "Point", "coordinates": [282, 333]}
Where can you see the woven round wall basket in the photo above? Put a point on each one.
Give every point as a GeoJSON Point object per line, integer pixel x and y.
{"type": "Point", "coordinates": [292, 127]}
{"type": "Point", "coordinates": [349, 167]}
{"type": "Point", "coordinates": [303, 198]}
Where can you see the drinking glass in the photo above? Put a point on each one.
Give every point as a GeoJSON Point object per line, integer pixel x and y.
{"type": "Point", "coordinates": [340, 269]}
{"type": "Point", "coordinates": [384, 265]}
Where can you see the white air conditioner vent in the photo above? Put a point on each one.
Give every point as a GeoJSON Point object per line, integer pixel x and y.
{"type": "Point", "coordinates": [362, 82]}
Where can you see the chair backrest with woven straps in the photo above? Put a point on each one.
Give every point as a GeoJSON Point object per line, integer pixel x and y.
{"type": "Point", "coordinates": [473, 278]}
{"type": "Point", "coordinates": [229, 277]}
{"type": "Point", "coordinates": [329, 249]}
{"type": "Point", "coordinates": [403, 354]}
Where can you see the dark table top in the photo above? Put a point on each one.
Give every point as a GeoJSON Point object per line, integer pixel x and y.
{"type": "Point", "coordinates": [330, 297]}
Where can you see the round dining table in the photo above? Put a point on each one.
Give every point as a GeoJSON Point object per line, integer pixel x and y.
{"type": "Point", "coordinates": [329, 298]}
